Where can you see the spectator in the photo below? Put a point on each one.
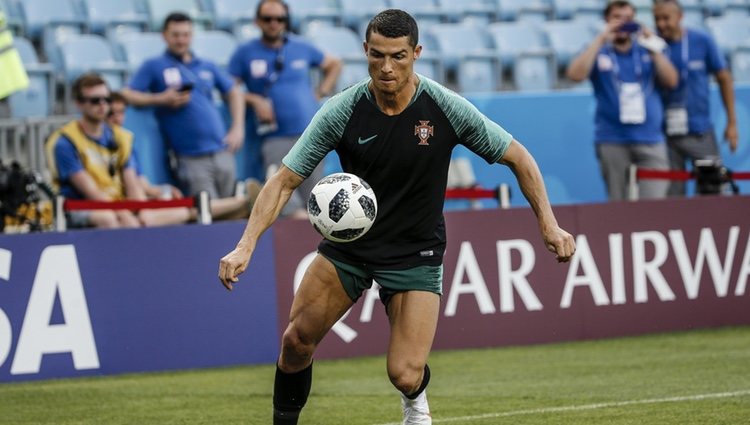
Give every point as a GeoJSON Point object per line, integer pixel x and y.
{"type": "Point", "coordinates": [221, 209]}
{"type": "Point", "coordinates": [690, 134]}
{"type": "Point", "coordinates": [89, 159]}
{"type": "Point", "coordinates": [275, 70]}
{"type": "Point", "coordinates": [181, 85]}
{"type": "Point", "coordinates": [625, 64]}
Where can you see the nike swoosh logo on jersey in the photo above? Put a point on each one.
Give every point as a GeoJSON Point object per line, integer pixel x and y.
{"type": "Point", "coordinates": [362, 141]}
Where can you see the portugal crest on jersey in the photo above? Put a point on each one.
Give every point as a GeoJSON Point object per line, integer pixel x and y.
{"type": "Point", "coordinates": [424, 131]}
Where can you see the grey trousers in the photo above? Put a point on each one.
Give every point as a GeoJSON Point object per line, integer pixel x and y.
{"type": "Point", "coordinates": [274, 149]}
{"type": "Point", "coordinates": [616, 158]}
{"type": "Point", "coordinates": [215, 173]}
{"type": "Point", "coordinates": [689, 148]}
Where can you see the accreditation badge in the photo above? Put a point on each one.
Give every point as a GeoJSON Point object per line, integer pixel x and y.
{"type": "Point", "coordinates": [632, 104]}
{"type": "Point", "coordinates": [676, 120]}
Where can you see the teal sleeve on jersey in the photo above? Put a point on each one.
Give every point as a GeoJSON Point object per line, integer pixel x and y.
{"type": "Point", "coordinates": [324, 132]}
{"type": "Point", "coordinates": [475, 131]}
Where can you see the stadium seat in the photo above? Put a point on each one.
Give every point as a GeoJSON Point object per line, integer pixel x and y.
{"type": "Point", "coordinates": [567, 9]}
{"type": "Point", "coordinates": [692, 17]}
{"type": "Point", "coordinates": [514, 38]}
{"type": "Point", "coordinates": [134, 48]}
{"type": "Point", "coordinates": [478, 75]}
{"type": "Point", "coordinates": [304, 12]}
{"type": "Point", "coordinates": [729, 32]}
{"type": "Point", "coordinates": [567, 38]}
{"type": "Point", "coordinates": [458, 10]}
{"type": "Point", "coordinates": [355, 13]}
{"type": "Point", "coordinates": [102, 14]}
{"type": "Point", "coordinates": [216, 46]}
{"type": "Point", "coordinates": [534, 72]}
{"type": "Point", "coordinates": [89, 52]}
{"type": "Point", "coordinates": [159, 9]}
{"type": "Point", "coordinates": [530, 10]}
{"type": "Point", "coordinates": [345, 44]}
{"type": "Point", "coordinates": [229, 14]}
{"type": "Point", "coordinates": [12, 17]}
{"type": "Point", "coordinates": [426, 12]}
{"type": "Point", "coordinates": [40, 14]}
{"type": "Point", "coordinates": [456, 41]}
{"type": "Point", "coordinates": [38, 100]}
{"type": "Point", "coordinates": [741, 64]}
{"type": "Point", "coordinates": [245, 31]}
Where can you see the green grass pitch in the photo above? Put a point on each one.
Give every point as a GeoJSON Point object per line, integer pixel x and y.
{"type": "Point", "coordinates": [698, 377]}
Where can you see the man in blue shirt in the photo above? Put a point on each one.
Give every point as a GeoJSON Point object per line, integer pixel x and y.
{"type": "Point", "coordinates": [690, 133]}
{"type": "Point", "coordinates": [275, 69]}
{"type": "Point", "coordinates": [625, 75]}
{"type": "Point", "coordinates": [181, 85]}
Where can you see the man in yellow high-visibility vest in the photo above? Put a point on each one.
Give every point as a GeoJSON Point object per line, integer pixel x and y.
{"type": "Point", "coordinates": [12, 74]}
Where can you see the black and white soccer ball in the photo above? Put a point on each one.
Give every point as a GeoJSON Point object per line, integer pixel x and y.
{"type": "Point", "coordinates": [342, 207]}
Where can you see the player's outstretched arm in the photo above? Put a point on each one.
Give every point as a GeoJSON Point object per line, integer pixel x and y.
{"type": "Point", "coordinates": [523, 165]}
{"type": "Point", "coordinates": [266, 210]}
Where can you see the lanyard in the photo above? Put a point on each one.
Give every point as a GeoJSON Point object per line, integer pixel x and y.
{"type": "Point", "coordinates": [616, 65]}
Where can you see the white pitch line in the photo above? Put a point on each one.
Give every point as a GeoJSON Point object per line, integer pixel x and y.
{"type": "Point", "coordinates": [594, 406]}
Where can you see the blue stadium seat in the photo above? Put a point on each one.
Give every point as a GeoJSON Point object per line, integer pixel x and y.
{"type": "Point", "coordinates": [729, 32]}
{"type": "Point", "coordinates": [89, 52]}
{"type": "Point", "coordinates": [456, 41]}
{"type": "Point", "coordinates": [458, 10]}
{"type": "Point", "coordinates": [216, 46]}
{"type": "Point", "coordinates": [103, 14]}
{"type": "Point", "coordinates": [12, 17]}
{"type": "Point", "coordinates": [478, 75]}
{"type": "Point", "coordinates": [304, 12]}
{"type": "Point", "coordinates": [531, 10]}
{"type": "Point", "coordinates": [567, 9]}
{"type": "Point", "coordinates": [692, 17]}
{"type": "Point", "coordinates": [534, 72]}
{"type": "Point", "coordinates": [40, 14]}
{"type": "Point", "coordinates": [246, 31]}
{"type": "Point", "coordinates": [345, 44]}
{"type": "Point", "coordinates": [741, 64]}
{"type": "Point", "coordinates": [567, 38]}
{"type": "Point", "coordinates": [514, 38]}
{"type": "Point", "coordinates": [134, 48]}
{"type": "Point", "coordinates": [38, 100]}
{"type": "Point", "coordinates": [159, 9]}
{"type": "Point", "coordinates": [426, 12]}
{"type": "Point", "coordinates": [355, 13]}
{"type": "Point", "coordinates": [228, 14]}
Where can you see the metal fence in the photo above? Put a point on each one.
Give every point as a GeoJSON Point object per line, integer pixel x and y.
{"type": "Point", "coordinates": [22, 140]}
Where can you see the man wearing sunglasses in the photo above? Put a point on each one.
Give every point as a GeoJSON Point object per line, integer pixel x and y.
{"type": "Point", "coordinates": [89, 159]}
{"type": "Point", "coordinates": [275, 69]}
{"type": "Point", "coordinates": [180, 86]}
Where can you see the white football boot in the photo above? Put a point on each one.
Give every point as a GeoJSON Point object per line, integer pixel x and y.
{"type": "Point", "coordinates": [417, 411]}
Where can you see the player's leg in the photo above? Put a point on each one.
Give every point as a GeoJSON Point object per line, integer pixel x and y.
{"type": "Point", "coordinates": [319, 302]}
{"type": "Point", "coordinates": [413, 317]}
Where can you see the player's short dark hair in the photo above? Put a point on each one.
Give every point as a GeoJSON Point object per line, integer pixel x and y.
{"type": "Point", "coordinates": [89, 79]}
{"type": "Point", "coordinates": [394, 23]}
{"type": "Point", "coordinates": [616, 4]}
{"type": "Point", "coordinates": [176, 17]}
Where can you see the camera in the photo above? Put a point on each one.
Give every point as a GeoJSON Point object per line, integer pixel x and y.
{"type": "Point", "coordinates": [20, 192]}
{"type": "Point", "coordinates": [711, 177]}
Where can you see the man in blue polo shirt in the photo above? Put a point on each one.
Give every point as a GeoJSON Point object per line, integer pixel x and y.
{"type": "Point", "coordinates": [626, 66]}
{"type": "Point", "coordinates": [181, 85]}
{"type": "Point", "coordinates": [275, 69]}
{"type": "Point", "coordinates": [690, 133]}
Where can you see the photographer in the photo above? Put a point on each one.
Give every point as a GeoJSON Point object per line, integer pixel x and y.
{"type": "Point", "coordinates": [626, 66]}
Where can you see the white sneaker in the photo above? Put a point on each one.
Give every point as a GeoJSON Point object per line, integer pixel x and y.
{"type": "Point", "coordinates": [417, 411]}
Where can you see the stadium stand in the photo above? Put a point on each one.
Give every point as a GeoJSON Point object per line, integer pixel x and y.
{"type": "Point", "coordinates": [343, 43]}
{"type": "Point", "coordinates": [38, 99]}
{"type": "Point", "coordinates": [460, 10]}
{"type": "Point", "coordinates": [159, 9]}
{"type": "Point", "coordinates": [566, 38]}
{"type": "Point", "coordinates": [305, 12]}
{"type": "Point", "coordinates": [526, 10]}
{"type": "Point", "coordinates": [102, 15]}
{"type": "Point", "coordinates": [230, 14]}
{"type": "Point", "coordinates": [12, 17]}
{"type": "Point", "coordinates": [534, 72]}
{"type": "Point", "coordinates": [426, 12]}
{"type": "Point", "coordinates": [730, 32]}
{"type": "Point", "coordinates": [216, 46]}
{"type": "Point", "coordinates": [512, 39]}
{"type": "Point", "coordinates": [355, 14]}
{"type": "Point", "coordinates": [741, 64]}
{"type": "Point", "coordinates": [135, 47]}
{"type": "Point", "coordinates": [89, 52]}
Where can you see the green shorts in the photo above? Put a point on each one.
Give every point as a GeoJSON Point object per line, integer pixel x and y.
{"type": "Point", "coordinates": [357, 279]}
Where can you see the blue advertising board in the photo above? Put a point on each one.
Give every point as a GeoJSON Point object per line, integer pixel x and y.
{"type": "Point", "coordinates": [105, 302]}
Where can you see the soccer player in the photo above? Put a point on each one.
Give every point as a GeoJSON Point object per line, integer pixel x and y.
{"type": "Point", "coordinates": [396, 130]}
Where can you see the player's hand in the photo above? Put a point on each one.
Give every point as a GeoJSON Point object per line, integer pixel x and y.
{"type": "Point", "coordinates": [173, 98]}
{"type": "Point", "coordinates": [561, 243]}
{"type": "Point", "coordinates": [232, 266]}
{"type": "Point", "coordinates": [731, 136]}
{"type": "Point", "coordinates": [235, 138]}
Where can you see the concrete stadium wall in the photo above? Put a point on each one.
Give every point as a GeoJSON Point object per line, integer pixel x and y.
{"type": "Point", "coordinates": [100, 302]}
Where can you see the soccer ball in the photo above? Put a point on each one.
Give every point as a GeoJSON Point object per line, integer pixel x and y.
{"type": "Point", "coordinates": [342, 207]}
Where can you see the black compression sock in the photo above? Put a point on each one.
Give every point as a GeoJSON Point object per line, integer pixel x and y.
{"type": "Point", "coordinates": [422, 386]}
{"type": "Point", "coordinates": [290, 391]}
